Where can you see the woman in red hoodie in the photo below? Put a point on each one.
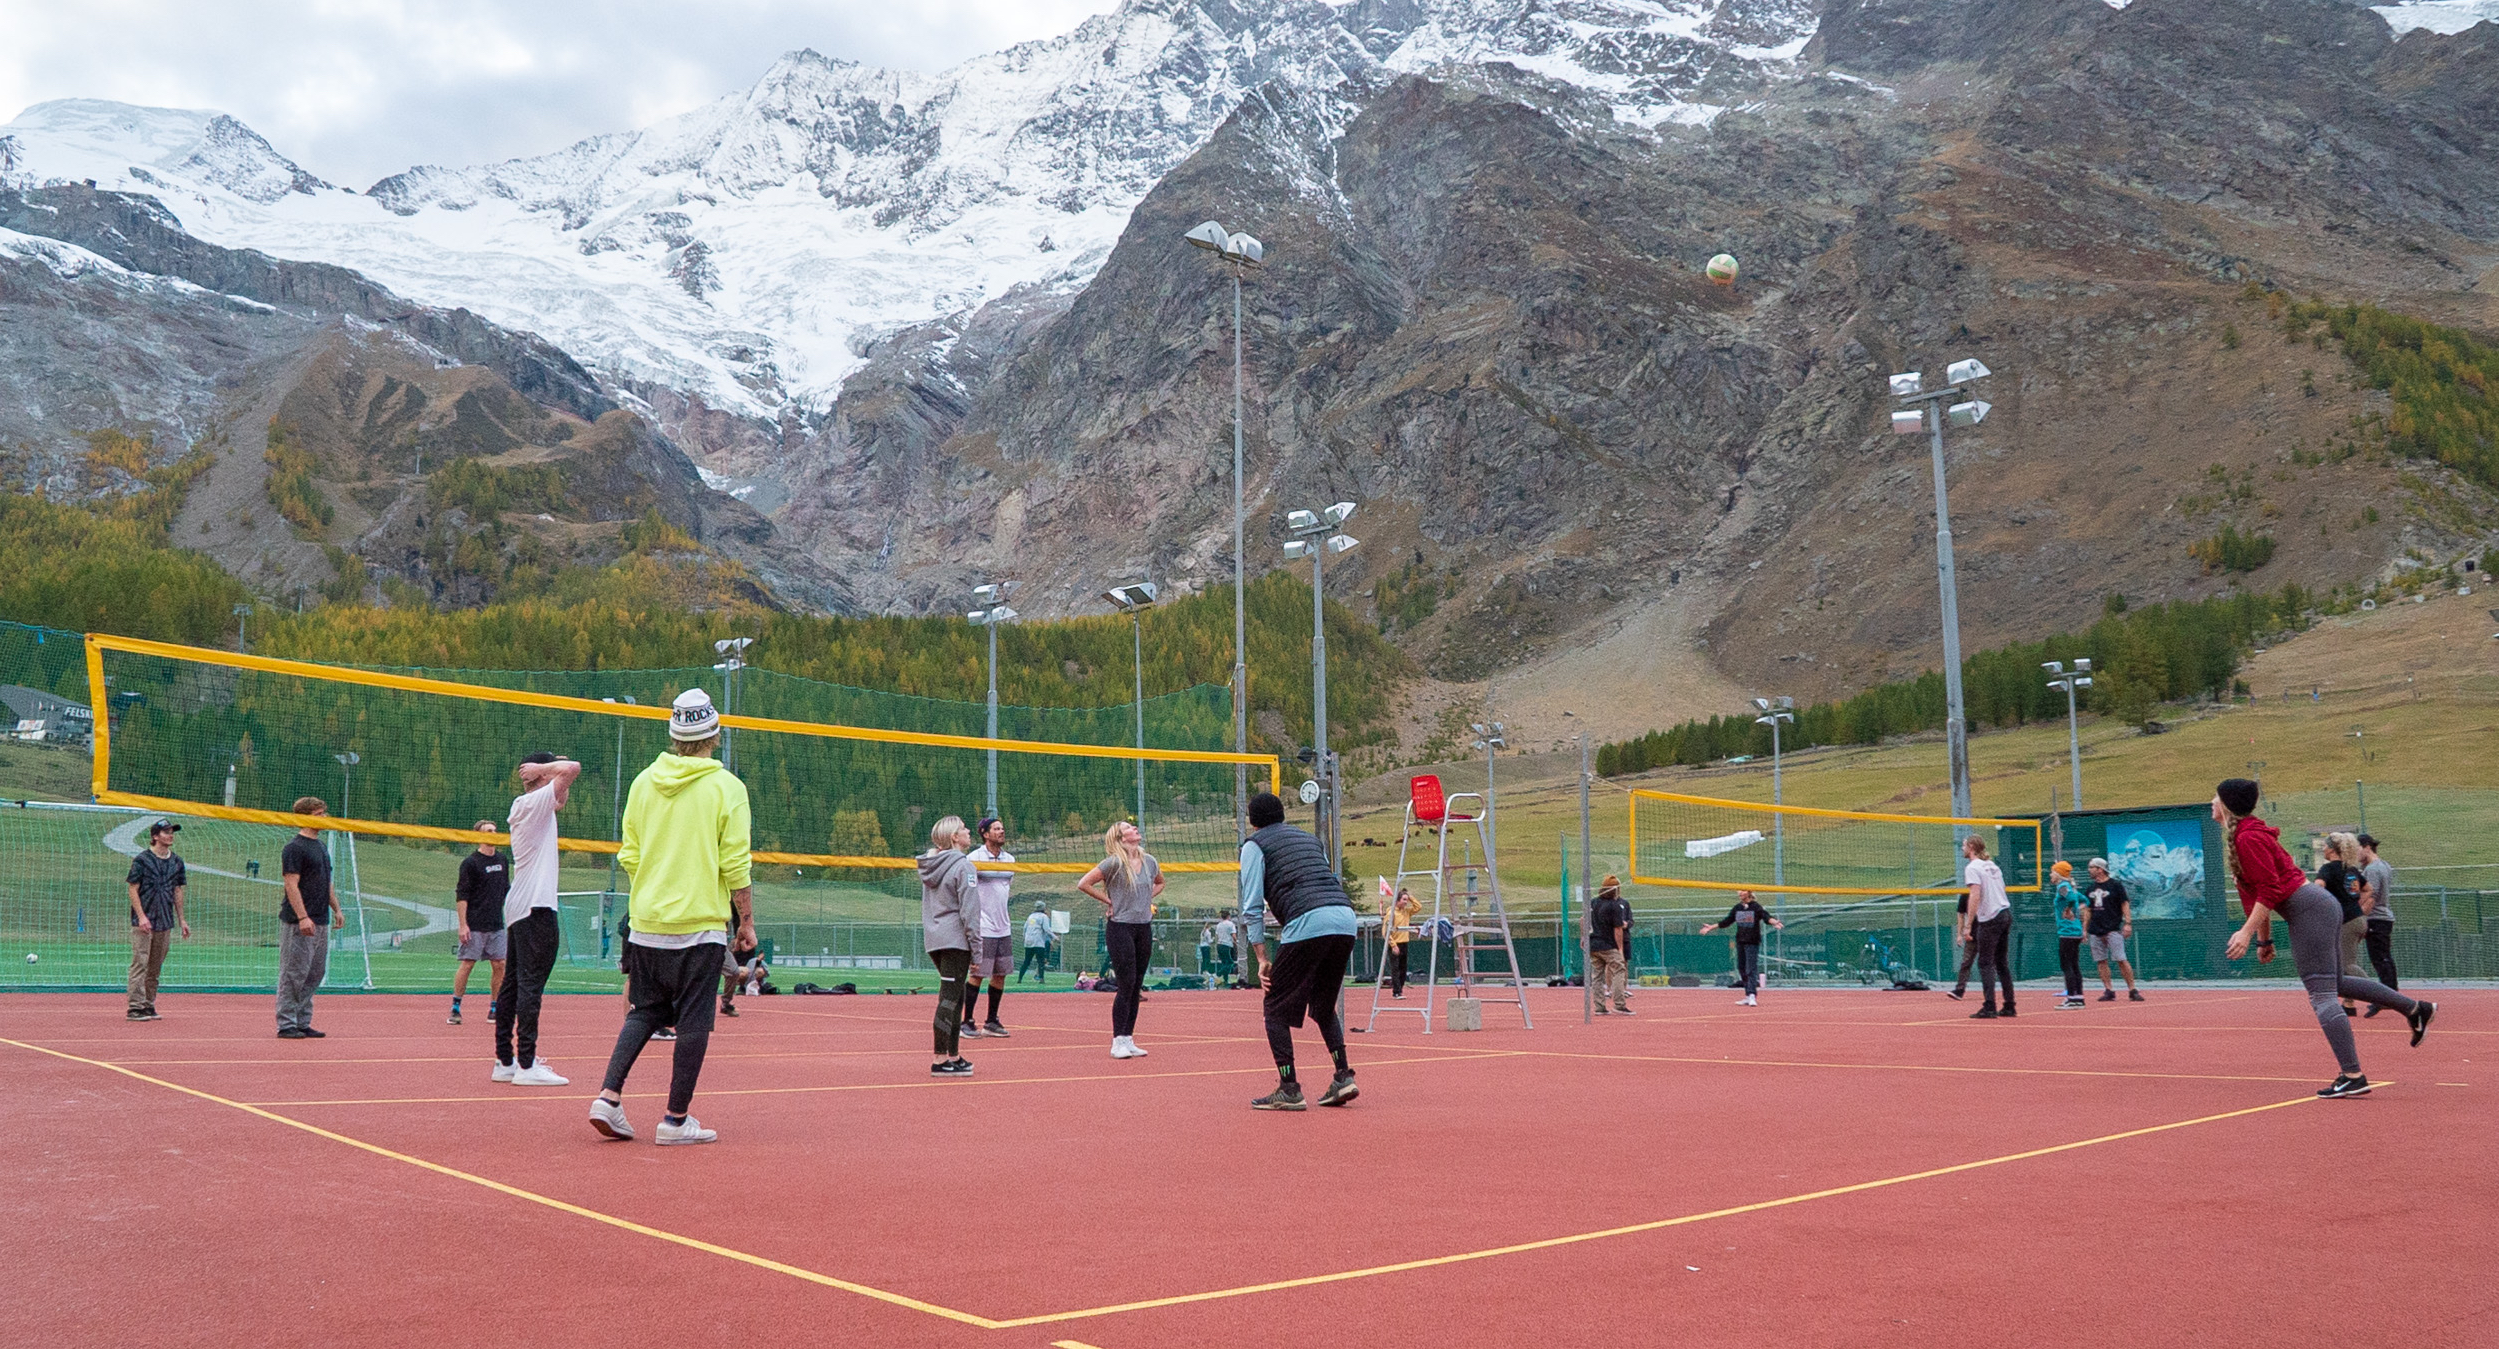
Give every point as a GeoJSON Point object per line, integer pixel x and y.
{"type": "Point", "coordinates": [2270, 884]}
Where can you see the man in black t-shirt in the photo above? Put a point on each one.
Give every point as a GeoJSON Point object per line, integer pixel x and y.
{"type": "Point", "coordinates": [157, 881]}
{"type": "Point", "coordinates": [304, 920]}
{"type": "Point", "coordinates": [1609, 947]}
{"type": "Point", "coordinates": [1748, 918]}
{"type": "Point", "coordinates": [2111, 922]}
{"type": "Point", "coordinates": [485, 879]}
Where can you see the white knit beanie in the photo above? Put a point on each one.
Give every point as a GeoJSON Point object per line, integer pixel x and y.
{"type": "Point", "coordinates": [693, 717]}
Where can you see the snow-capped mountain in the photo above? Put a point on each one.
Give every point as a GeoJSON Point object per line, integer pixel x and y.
{"type": "Point", "coordinates": [747, 254]}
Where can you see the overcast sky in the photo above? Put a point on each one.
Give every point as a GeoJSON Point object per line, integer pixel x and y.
{"type": "Point", "coordinates": [355, 90]}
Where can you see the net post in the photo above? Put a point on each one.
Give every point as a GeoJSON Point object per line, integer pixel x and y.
{"type": "Point", "coordinates": [100, 709]}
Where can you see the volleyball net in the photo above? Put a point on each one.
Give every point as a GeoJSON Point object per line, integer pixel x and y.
{"type": "Point", "coordinates": [1703, 843]}
{"type": "Point", "coordinates": [228, 736]}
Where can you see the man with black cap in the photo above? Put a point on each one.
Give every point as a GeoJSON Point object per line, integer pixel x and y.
{"type": "Point", "coordinates": [529, 915]}
{"type": "Point", "coordinates": [157, 882]}
{"type": "Point", "coordinates": [1285, 877]}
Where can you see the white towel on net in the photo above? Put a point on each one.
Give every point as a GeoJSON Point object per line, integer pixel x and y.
{"type": "Point", "coordinates": [1721, 845]}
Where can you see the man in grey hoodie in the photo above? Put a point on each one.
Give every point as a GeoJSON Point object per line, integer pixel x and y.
{"type": "Point", "coordinates": [950, 931]}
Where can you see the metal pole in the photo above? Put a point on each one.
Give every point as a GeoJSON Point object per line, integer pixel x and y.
{"type": "Point", "coordinates": [2073, 742]}
{"type": "Point", "coordinates": [355, 877]}
{"type": "Point", "coordinates": [1136, 625]}
{"type": "Point", "coordinates": [1492, 798]}
{"type": "Point", "coordinates": [1319, 697]}
{"type": "Point", "coordinates": [993, 715]}
{"type": "Point", "coordinates": [1956, 722]}
{"type": "Point", "coordinates": [1778, 819]}
{"type": "Point", "coordinates": [2361, 790]}
{"type": "Point", "coordinates": [1587, 870]}
{"type": "Point", "coordinates": [1240, 617]}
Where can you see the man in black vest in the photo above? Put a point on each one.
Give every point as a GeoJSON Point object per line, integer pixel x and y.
{"type": "Point", "coordinates": [1285, 877]}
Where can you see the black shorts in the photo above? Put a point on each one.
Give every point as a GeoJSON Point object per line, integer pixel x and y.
{"type": "Point", "coordinates": [1306, 974]}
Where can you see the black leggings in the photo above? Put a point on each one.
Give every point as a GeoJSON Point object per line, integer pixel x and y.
{"type": "Point", "coordinates": [668, 988]}
{"type": "Point", "coordinates": [1995, 963]}
{"type": "Point", "coordinates": [1397, 970]}
{"type": "Point", "coordinates": [2069, 953]}
{"type": "Point", "coordinates": [1132, 944]}
{"type": "Point", "coordinates": [2382, 951]}
{"type": "Point", "coordinates": [953, 967]}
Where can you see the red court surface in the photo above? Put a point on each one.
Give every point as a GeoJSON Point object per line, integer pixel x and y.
{"type": "Point", "coordinates": [1831, 1168]}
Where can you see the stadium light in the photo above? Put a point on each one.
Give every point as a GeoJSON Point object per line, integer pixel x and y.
{"type": "Point", "coordinates": [1928, 409]}
{"type": "Point", "coordinates": [2069, 680]}
{"type": "Point", "coordinates": [1771, 712]}
{"type": "Point", "coordinates": [733, 649]}
{"type": "Point", "coordinates": [1236, 251]}
{"type": "Point", "coordinates": [1308, 528]}
{"type": "Point", "coordinates": [1133, 600]}
{"type": "Point", "coordinates": [995, 611]}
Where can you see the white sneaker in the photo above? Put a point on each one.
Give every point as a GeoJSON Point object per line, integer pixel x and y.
{"type": "Point", "coordinates": [539, 1075]}
{"type": "Point", "coordinates": [608, 1117]}
{"type": "Point", "coordinates": [1124, 1047]}
{"type": "Point", "coordinates": [505, 1072]}
{"type": "Point", "coordinates": [692, 1131]}
{"type": "Point", "coordinates": [1750, 1002]}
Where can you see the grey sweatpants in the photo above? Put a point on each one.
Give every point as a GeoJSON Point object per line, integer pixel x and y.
{"type": "Point", "coordinates": [2316, 922]}
{"type": "Point", "coordinates": [303, 962]}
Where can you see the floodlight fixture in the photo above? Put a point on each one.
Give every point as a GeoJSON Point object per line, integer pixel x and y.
{"type": "Point", "coordinates": [1338, 543]}
{"type": "Point", "coordinates": [1302, 522]}
{"type": "Point", "coordinates": [1210, 236]}
{"type": "Point", "coordinates": [1966, 371]}
{"type": "Point", "coordinates": [1295, 548]}
{"type": "Point", "coordinates": [1908, 423]}
{"type": "Point", "coordinates": [1338, 513]}
{"type": "Point", "coordinates": [992, 593]}
{"type": "Point", "coordinates": [1970, 413]}
{"type": "Point", "coordinates": [1133, 596]}
{"type": "Point", "coordinates": [1905, 385]}
{"type": "Point", "coordinates": [1243, 249]}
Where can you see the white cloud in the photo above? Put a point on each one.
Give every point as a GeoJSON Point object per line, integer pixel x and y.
{"type": "Point", "coordinates": [358, 89]}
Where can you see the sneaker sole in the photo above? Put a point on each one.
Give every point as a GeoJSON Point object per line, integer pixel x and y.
{"type": "Point", "coordinates": [685, 1142]}
{"type": "Point", "coordinates": [607, 1130]}
{"type": "Point", "coordinates": [1294, 1107]}
{"type": "Point", "coordinates": [2346, 1095]}
{"type": "Point", "coordinates": [2429, 1010]}
{"type": "Point", "coordinates": [1347, 1098]}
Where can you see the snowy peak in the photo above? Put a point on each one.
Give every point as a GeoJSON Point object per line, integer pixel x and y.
{"type": "Point", "coordinates": [73, 137]}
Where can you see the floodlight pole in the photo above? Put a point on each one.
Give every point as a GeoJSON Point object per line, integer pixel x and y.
{"type": "Point", "coordinates": [1587, 860]}
{"type": "Point", "coordinates": [992, 797]}
{"type": "Point", "coordinates": [1931, 410]}
{"type": "Point", "coordinates": [347, 762]}
{"type": "Point", "coordinates": [1778, 818]}
{"type": "Point", "coordinates": [1240, 616]}
{"type": "Point", "coordinates": [1319, 699]}
{"type": "Point", "coordinates": [2069, 681]}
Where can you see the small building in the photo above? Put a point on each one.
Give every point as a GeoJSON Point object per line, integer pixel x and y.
{"type": "Point", "coordinates": [46, 717]}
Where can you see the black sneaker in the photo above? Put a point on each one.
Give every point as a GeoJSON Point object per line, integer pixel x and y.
{"type": "Point", "coordinates": [2420, 1019]}
{"type": "Point", "coordinates": [134, 1014]}
{"type": "Point", "coordinates": [290, 1033]}
{"type": "Point", "coordinates": [2008, 1010]}
{"type": "Point", "coordinates": [2349, 1084]}
{"type": "Point", "coordinates": [995, 1031]}
{"type": "Point", "coordinates": [1342, 1091]}
{"type": "Point", "coordinates": [1955, 995]}
{"type": "Point", "coordinates": [311, 1034]}
{"type": "Point", "coordinates": [2374, 1009]}
{"type": "Point", "coordinates": [2108, 995]}
{"type": "Point", "coordinates": [454, 1018]}
{"type": "Point", "coordinates": [954, 1067]}
{"type": "Point", "coordinates": [2134, 995]}
{"type": "Point", "coordinates": [665, 1034]}
{"type": "Point", "coordinates": [1983, 1014]}
{"type": "Point", "coordinates": [728, 1008]}
{"type": "Point", "coordinates": [1287, 1096]}
{"type": "Point", "coordinates": [151, 1015]}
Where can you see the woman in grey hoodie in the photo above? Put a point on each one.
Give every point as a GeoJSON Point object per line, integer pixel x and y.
{"type": "Point", "coordinates": [947, 928]}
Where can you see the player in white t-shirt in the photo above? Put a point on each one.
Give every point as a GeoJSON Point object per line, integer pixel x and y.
{"type": "Point", "coordinates": [529, 916]}
{"type": "Point", "coordinates": [1989, 923]}
{"type": "Point", "coordinates": [996, 953]}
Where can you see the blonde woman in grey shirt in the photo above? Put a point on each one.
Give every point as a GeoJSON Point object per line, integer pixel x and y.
{"type": "Point", "coordinates": [1126, 882]}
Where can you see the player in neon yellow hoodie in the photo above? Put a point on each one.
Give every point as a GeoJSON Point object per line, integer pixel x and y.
{"type": "Point", "coordinates": [686, 846]}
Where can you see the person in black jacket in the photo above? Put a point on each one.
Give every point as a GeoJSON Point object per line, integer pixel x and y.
{"type": "Point", "coordinates": [1286, 879]}
{"type": "Point", "coordinates": [1747, 918]}
{"type": "Point", "coordinates": [1609, 948]}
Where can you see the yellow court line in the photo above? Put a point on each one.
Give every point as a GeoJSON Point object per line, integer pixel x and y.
{"type": "Point", "coordinates": [874, 1086]}
{"type": "Point", "coordinates": [611, 1220]}
{"type": "Point", "coordinates": [1631, 1229]}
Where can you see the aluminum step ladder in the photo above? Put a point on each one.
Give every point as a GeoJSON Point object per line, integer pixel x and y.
{"type": "Point", "coordinates": [1471, 936]}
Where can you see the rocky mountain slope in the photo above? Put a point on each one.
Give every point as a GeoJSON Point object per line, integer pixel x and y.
{"type": "Point", "coordinates": [938, 326]}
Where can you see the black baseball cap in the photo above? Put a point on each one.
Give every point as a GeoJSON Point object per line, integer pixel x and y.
{"type": "Point", "coordinates": [163, 826]}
